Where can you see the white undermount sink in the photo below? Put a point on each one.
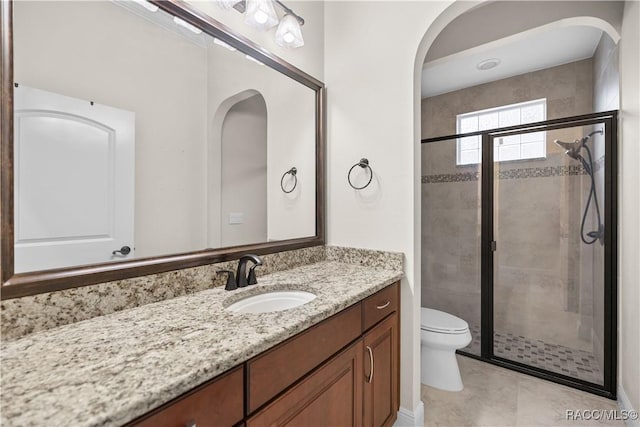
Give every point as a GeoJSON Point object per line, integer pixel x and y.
{"type": "Point", "coordinates": [271, 301]}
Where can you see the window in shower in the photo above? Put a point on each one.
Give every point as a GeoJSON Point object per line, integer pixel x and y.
{"type": "Point", "coordinates": [513, 147]}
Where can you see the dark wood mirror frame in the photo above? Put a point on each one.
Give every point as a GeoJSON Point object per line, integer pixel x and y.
{"type": "Point", "coordinates": [24, 284]}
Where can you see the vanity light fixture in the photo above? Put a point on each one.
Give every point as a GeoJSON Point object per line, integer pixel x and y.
{"type": "Point", "coordinates": [223, 44]}
{"type": "Point", "coordinates": [186, 25]}
{"type": "Point", "coordinates": [488, 64]}
{"type": "Point", "coordinates": [261, 14]}
{"type": "Point", "coordinates": [149, 6]}
{"type": "Point", "coordinates": [289, 33]}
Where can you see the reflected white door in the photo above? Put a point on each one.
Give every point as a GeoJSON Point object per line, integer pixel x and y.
{"type": "Point", "coordinates": [74, 181]}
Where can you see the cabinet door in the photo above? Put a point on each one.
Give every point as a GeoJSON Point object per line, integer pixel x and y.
{"type": "Point", "coordinates": [217, 403]}
{"type": "Point", "coordinates": [331, 396]}
{"type": "Point", "coordinates": [381, 373]}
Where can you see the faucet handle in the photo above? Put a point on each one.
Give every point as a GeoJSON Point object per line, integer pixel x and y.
{"type": "Point", "coordinates": [231, 280]}
{"type": "Point", "coordinates": [252, 280]}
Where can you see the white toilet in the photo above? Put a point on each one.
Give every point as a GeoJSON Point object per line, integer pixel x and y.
{"type": "Point", "coordinates": [441, 334]}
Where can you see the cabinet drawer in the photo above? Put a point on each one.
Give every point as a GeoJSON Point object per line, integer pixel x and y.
{"type": "Point", "coordinates": [331, 396]}
{"type": "Point", "coordinates": [275, 370]}
{"type": "Point", "coordinates": [217, 403]}
{"type": "Point", "coordinates": [380, 305]}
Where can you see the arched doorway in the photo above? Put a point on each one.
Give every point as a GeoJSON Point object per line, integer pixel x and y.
{"type": "Point", "coordinates": [456, 271]}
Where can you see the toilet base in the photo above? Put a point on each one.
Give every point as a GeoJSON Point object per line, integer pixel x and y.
{"type": "Point", "coordinates": [440, 369]}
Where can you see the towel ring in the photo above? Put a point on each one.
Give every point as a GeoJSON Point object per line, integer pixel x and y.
{"type": "Point", "coordinates": [293, 171]}
{"type": "Point", "coordinates": [363, 163]}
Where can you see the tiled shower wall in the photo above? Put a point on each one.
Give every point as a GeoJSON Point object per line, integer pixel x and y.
{"type": "Point", "coordinates": [568, 89]}
{"type": "Point", "coordinates": [539, 292]}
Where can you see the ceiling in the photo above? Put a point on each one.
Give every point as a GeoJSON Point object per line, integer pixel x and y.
{"type": "Point", "coordinates": [536, 49]}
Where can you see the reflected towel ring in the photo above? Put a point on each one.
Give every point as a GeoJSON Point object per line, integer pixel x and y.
{"type": "Point", "coordinates": [363, 163]}
{"type": "Point", "coordinates": [293, 171]}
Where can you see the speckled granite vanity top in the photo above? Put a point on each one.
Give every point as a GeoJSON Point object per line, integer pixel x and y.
{"type": "Point", "coordinates": [111, 369]}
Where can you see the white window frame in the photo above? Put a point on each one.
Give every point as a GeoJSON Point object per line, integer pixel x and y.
{"type": "Point", "coordinates": [539, 147]}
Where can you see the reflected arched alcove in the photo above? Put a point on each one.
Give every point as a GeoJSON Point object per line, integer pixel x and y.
{"type": "Point", "coordinates": [237, 181]}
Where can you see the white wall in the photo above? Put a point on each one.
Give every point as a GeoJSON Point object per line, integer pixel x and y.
{"type": "Point", "coordinates": [629, 229]}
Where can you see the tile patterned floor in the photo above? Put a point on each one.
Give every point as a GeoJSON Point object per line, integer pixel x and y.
{"type": "Point", "coordinates": [499, 397]}
{"type": "Point", "coordinates": [555, 358]}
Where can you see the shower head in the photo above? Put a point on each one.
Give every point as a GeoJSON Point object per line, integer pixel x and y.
{"type": "Point", "coordinates": [572, 149]}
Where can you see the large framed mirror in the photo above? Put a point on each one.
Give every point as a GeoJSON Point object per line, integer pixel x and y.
{"type": "Point", "coordinates": [143, 137]}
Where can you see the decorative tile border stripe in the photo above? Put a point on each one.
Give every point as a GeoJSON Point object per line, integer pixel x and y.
{"type": "Point", "coordinates": [523, 173]}
{"type": "Point", "coordinates": [543, 172]}
{"type": "Point", "coordinates": [450, 177]}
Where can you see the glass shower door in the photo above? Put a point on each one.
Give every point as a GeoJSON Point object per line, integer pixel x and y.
{"type": "Point", "coordinates": [549, 251]}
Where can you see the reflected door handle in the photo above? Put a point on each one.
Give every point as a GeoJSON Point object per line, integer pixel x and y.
{"type": "Point", "coordinates": [125, 250]}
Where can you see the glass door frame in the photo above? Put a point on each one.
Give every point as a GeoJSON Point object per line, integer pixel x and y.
{"type": "Point", "coordinates": [488, 247]}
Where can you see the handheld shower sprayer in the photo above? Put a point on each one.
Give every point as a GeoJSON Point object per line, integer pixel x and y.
{"type": "Point", "coordinates": [572, 149]}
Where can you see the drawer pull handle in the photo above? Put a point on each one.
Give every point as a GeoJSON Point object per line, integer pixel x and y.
{"type": "Point", "coordinates": [191, 423]}
{"type": "Point", "coordinates": [371, 359]}
{"type": "Point", "coordinates": [385, 305]}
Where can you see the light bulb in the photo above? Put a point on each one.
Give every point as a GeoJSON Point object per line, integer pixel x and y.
{"type": "Point", "coordinates": [289, 33]}
{"type": "Point", "coordinates": [261, 17]}
{"type": "Point", "coordinates": [288, 37]}
{"type": "Point", "coordinates": [261, 14]}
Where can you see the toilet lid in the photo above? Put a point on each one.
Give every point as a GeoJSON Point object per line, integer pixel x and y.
{"type": "Point", "coordinates": [439, 321]}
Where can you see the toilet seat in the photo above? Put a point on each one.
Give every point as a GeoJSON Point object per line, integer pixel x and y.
{"type": "Point", "coordinates": [440, 322]}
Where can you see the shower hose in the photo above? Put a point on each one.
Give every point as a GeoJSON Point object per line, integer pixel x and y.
{"type": "Point", "coordinates": [592, 236]}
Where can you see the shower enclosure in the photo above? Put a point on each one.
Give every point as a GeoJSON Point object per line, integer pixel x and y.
{"type": "Point", "coordinates": [519, 239]}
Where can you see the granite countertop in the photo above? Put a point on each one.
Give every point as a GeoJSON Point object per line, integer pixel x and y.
{"type": "Point", "coordinates": [111, 369]}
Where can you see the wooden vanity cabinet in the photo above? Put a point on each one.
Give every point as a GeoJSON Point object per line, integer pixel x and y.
{"type": "Point", "coordinates": [344, 371]}
{"type": "Point", "coordinates": [219, 402]}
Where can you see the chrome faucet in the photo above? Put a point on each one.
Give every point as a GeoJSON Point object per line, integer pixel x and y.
{"type": "Point", "coordinates": [240, 280]}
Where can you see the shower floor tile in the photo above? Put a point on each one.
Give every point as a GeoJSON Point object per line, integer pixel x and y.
{"type": "Point", "coordinates": [552, 357]}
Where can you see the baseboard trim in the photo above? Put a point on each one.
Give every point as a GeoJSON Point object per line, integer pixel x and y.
{"type": "Point", "coordinates": [408, 418]}
{"type": "Point", "coordinates": [625, 405]}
